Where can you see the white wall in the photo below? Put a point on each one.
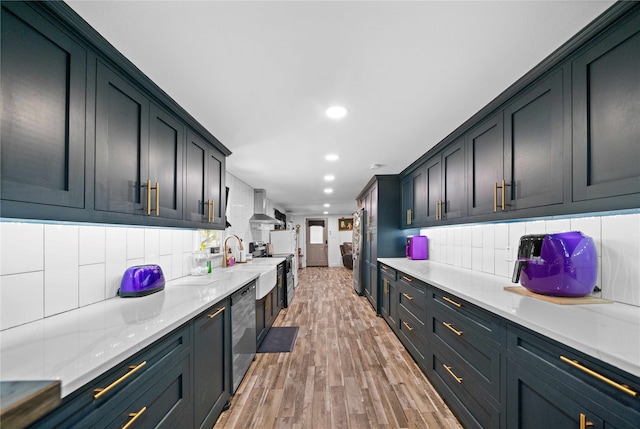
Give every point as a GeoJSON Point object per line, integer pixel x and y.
{"type": "Point", "coordinates": [335, 237]}
{"type": "Point", "coordinates": [492, 248]}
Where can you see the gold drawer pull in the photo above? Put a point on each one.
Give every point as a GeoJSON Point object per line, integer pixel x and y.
{"type": "Point", "coordinates": [448, 368]}
{"type": "Point", "coordinates": [409, 297]}
{"type": "Point", "coordinates": [448, 325]}
{"type": "Point", "coordinates": [584, 424]}
{"type": "Point", "coordinates": [98, 392]}
{"type": "Point", "coordinates": [407, 278]}
{"type": "Point", "coordinates": [449, 300]}
{"type": "Point", "coordinates": [409, 217]}
{"type": "Point", "coordinates": [384, 267]}
{"type": "Point", "coordinates": [220, 310]}
{"type": "Point", "coordinates": [600, 377]}
{"type": "Point", "coordinates": [134, 417]}
{"type": "Point", "coordinates": [386, 286]}
{"type": "Point", "coordinates": [407, 326]}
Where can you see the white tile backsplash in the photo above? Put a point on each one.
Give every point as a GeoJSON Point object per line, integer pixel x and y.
{"type": "Point", "coordinates": [92, 284]}
{"type": "Point", "coordinates": [21, 298]}
{"type": "Point", "coordinates": [492, 248]}
{"type": "Point", "coordinates": [22, 248]}
{"type": "Point", "coordinates": [52, 268]}
{"type": "Point", "coordinates": [92, 245]}
{"type": "Point", "coordinates": [61, 264]}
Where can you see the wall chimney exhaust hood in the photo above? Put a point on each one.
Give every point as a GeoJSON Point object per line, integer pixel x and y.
{"type": "Point", "coordinates": [260, 208]}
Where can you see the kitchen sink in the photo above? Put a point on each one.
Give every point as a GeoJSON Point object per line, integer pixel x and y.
{"type": "Point", "coordinates": [267, 279]}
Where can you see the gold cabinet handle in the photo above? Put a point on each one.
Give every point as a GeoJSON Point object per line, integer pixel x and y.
{"type": "Point", "coordinates": [409, 297]}
{"type": "Point", "coordinates": [384, 268]}
{"type": "Point", "coordinates": [386, 285]}
{"type": "Point", "coordinates": [448, 368]}
{"type": "Point", "coordinates": [368, 235]}
{"type": "Point", "coordinates": [213, 211]}
{"type": "Point", "coordinates": [448, 325]}
{"type": "Point", "coordinates": [368, 220]}
{"type": "Point", "coordinates": [407, 278]}
{"type": "Point", "coordinates": [280, 281]}
{"type": "Point", "coordinates": [502, 187]}
{"type": "Point", "coordinates": [495, 196]}
{"type": "Point", "coordinates": [600, 377]}
{"type": "Point", "coordinates": [218, 311]}
{"type": "Point", "coordinates": [157, 188]}
{"type": "Point", "coordinates": [149, 188]}
{"type": "Point", "coordinates": [449, 300]}
{"type": "Point", "coordinates": [134, 417]}
{"type": "Point", "coordinates": [409, 217]}
{"type": "Point", "coordinates": [407, 326]}
{"type": "Point", "coordinates": [99, 392]}
{"type": "Point", "coordinates": [439, 205]}
{"type": "Point", "coordinates": [584, 424]}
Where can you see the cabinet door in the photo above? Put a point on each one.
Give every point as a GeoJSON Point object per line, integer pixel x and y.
{"type": "Point", "coordinates": [534, 401]}
{"type": "Point", "coordinates": [196, 176]}
{"type": "Point", "coordinates": [216, 186]}
{"type": "Point", "coordinates": [606, 108]}
{"type": "Point", "coordinates": [533, 152]}
{"type": "Point", "coordinates": [373, 206]}
{"type": "Point", "coordinates": [433, 179]}
{"type": "Point", "coordinates": [212, 355]}
{"type": "Point", "coordinates": [414, 198]}
{"type": "Point", "coordinates": [122, 145]}
{"type": "Point", "coordinates": [166, 149]}
{"type": "Point", "coordinates": [454, 202]}
{"type": "Point", "coordinates": [43, 111]}
{"type": "Point", "coordinates": [484, 165]}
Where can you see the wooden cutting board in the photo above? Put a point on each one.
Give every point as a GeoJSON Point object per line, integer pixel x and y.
{"type": "Point", "coordinates": [562, 300]}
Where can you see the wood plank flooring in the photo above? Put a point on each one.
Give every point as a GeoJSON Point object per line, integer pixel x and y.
{"type": "Point", "coordinates": [347, 369]}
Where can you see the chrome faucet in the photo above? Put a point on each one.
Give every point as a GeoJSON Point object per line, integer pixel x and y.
{"type": "Point", "coordinates": [225, 257]}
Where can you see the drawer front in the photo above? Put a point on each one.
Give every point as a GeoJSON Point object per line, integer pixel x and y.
{"type": "Point", "coordinates": [388, 272]}
{"type": "Point", "coordinates": [120, 385]}
{"type": "Point", "coordinates": [412, 295]}
{"type": "Point", "coordinates": [162, 405]}
{"type": "Point", "coordinates": [411, 333]}
{"type": "Point", "coordinates": [465, 398]}
{"type": "Point", "coordinates": [478, 321]}
{"type": "Point", "coordinates": [479, 358]}
{"type": "Point", "coordinates": [601, 388]}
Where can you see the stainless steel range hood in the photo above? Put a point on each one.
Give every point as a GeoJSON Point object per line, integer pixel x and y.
{"type": "Point", "coordinates": [260, 207]}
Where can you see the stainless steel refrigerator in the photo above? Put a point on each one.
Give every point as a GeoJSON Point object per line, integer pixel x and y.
{"type": "Point", "coordinates": [358, 243]}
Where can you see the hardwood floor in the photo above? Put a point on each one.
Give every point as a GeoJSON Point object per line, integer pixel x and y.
{"type": "Point", "coordinates": [347, 369]}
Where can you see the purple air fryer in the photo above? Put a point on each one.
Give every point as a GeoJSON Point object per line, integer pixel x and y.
{"type": "Point", "coordinates": [562, 264]}
{"type": "Point", "coordinates": [141, 280]}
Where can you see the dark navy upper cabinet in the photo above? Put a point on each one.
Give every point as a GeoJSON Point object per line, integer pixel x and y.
{"type": "Point", "coordinates": [533, 147]}
{"type": "Point", "coordinates": [87, 137]}
{"type": "Point", "coordinates": [43, 112]}
{"type": "Point", "coordinates": [205, 182]}
{"type": "Point", "coordinates": [485, 161]}
{"type": "Point", "coordinates": [453, 204]}
{"type": "Point", "coordinates": [122, 145]}
{"type": "Point", "coordinates": [166, 157]}
{"type": "Point", "coordinates": [606, 116]}
{"type": "Point", "coordinates": [433, 186]}
{"type": "Point", "coordinates": [414, 203]}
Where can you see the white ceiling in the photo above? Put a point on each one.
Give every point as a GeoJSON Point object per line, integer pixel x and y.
{"type": "Point", "coordinates": [260, 74]}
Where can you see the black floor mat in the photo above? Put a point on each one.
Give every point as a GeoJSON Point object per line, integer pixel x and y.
{"type": "Point", "coordinates": [279, 339]}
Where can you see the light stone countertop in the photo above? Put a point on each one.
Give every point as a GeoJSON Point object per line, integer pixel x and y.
{"type": "Point", "coordinates": [609, 332]}
{"type": "Point", "coordinates": [77, 346]}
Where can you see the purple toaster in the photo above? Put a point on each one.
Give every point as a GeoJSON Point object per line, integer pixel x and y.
{"type": "Point", "coordinates": [141, 280]}
{"type": "Point", "coordinates": [563, 264]}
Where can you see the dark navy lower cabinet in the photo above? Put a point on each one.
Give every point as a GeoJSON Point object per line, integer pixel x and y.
{"type": "Point", "coordinates": [212, 363]}
{"type": "Point", "coordinates": [551, 385]}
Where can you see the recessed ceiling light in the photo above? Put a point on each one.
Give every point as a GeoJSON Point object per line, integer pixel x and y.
{"type": "Point", "coordinates": [327, 205]}
{"type": "Point", "coordinates": [336, 112]}
{"type": "Point", "coordinates": [328, 191]}
{"type": "Point", "coordinates": [325, 212]}
{"type": "Point", "coordinates": [329, 177]}
{"type": "Point", "coordinates": [332, 157]}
